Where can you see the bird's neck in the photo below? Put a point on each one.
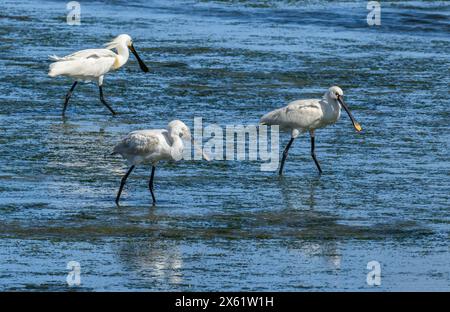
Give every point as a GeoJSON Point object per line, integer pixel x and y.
{"type": "Point", "coordinates": [122, 55]}
{"type": "Point", "coordinates": [176, 149]}
{"type": "Point", "coordinates": [330, 100]}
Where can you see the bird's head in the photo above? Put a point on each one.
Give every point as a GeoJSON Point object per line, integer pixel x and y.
{"type": "Point", "coordinates": [337, 94]}
{"type": "Point", "coordinates": [125, 40]}
{"type": "Point", "coordinates": [120, 40]}
{"type": "Point", "coordinates": [178, 128]}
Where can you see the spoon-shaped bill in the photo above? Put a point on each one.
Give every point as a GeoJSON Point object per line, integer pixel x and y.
{"type": "Point", "coordinates": [356, 125]}
{"type": "Point", "coordinates": [143, 67]}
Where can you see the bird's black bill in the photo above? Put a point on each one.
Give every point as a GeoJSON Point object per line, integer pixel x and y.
{"type": "Point", "coordinates": [143, 67]}
{"type": "Point", "coordinates": [356, 125]}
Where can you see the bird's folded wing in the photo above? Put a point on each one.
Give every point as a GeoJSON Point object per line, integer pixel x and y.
{"type": "Point", "coordinates": [304, 109]}
{"type": "Point", "coordinates": [86, 54]}
{"type": "Point", "coordinates": [296, 114]}
{"type": "Point", "coordinates": [83, 67]}
{"type": "Point", "coordinates": [303, 113]}
{"type": "Point", "coordinates": [138, 143]}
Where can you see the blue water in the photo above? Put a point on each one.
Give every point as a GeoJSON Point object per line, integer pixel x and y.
{"type": "Point", "coordinates": [225, 225]}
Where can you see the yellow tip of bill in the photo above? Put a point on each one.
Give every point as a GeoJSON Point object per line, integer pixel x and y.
{"type": "Point", "coordinates": [358, 127]}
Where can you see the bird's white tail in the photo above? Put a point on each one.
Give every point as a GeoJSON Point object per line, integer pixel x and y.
{"type": "Point", "coordinates": [271, 118]}
{"type": "Point", "coordinates": [56, 69]}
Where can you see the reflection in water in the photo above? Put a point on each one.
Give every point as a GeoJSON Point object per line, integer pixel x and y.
{"type": "Point", "coordinates": [293, 195]}
{"type": "Point", "coordinates": [153, 260]}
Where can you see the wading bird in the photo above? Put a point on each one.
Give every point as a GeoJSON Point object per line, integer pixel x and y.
{"type": "Point", "coordinates": [308, 115]}
{"type": "Point", "coordinates": [93, 64]}
{"type": "Point", "coordinates": [152, 146]}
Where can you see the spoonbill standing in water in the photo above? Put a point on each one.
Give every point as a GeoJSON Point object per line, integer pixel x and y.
{"type": "Point", "coordinates": [93, 64]}
{"type": "Point", "coordinates": [152, 146]}
{"type": "Point", "coordinates": [308, 115]}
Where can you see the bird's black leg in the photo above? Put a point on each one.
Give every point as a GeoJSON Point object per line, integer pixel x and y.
{"type": "Point", "coordinates": [122, 184]}
{"type": "Point", "coordinates": [285, 153]}
{"type": "Point", "coordinates": [68, 95]}
{"type": "Point", "coordinates": [313, 152]}
{"type": "Point", "coordinates": [150, 184]}
{"type": "Point", "coordinates": [102, 99]}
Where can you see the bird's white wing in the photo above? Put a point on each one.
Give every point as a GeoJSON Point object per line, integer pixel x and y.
{"type": "Point", "coordinates": [304, 113]}
{"type": "Point", "coordinates": [139, 143]}
{"type": "Point", "coordinates": [297, 114]}
{"type": "Point", "coordinates": [84, 64]}
{"type": "Point", "coordinates": [86, 54]}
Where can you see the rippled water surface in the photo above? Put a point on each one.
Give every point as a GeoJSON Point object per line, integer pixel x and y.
{"type": "Point", "coordinates": [384, 194]}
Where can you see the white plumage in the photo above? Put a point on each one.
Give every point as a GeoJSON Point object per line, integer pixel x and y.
{"type": "Point", "coordinates": [151, 147]}
{"type": "Point", "coordinates": [308, 115]}
{"type": "Point", "coordinates": [93, 64]}
{"type": "Point", "coordinates": [87, 65]}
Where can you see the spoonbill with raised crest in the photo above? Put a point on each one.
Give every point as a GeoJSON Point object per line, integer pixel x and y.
{"type": "Point", "coordinates": [93, 64]}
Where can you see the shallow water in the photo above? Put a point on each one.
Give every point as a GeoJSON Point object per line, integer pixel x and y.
{"type": "Point", "coordinates": [218, 225]}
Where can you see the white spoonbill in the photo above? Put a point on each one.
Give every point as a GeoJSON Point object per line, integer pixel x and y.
{"type": "Point", "coordinates": [152, 146]}
{"type": "Point", "coordinates": [93, 64]}
{"type": "Point", "coordinates": [308, 115]}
